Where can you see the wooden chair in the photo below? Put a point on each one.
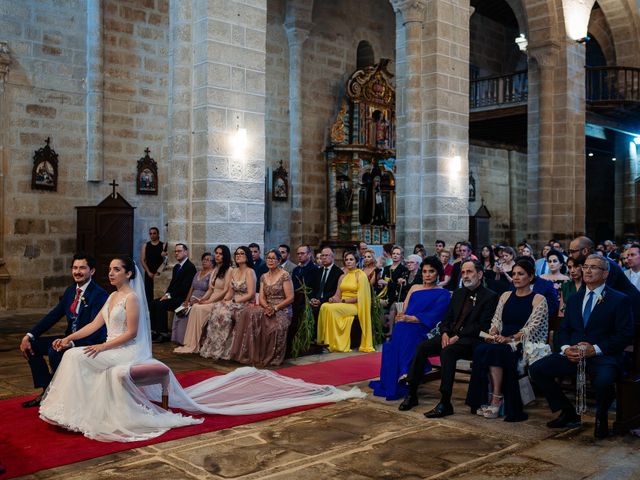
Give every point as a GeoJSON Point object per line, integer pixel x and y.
{"type": "Point", "coordinates": [152, 374]}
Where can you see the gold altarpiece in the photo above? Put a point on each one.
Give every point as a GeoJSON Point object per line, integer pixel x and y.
{"type": "Point", "coordinates": [361, 160]}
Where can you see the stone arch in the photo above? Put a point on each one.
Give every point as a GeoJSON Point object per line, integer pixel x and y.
{"type": "Point", "coordinates": [623, 19]}
{"type": "Point", "coordinates": [543, 21]}
{"type": "Point", "coordinates": [600, 31]}
{"type": "Point", "coordinates": [520, 14]}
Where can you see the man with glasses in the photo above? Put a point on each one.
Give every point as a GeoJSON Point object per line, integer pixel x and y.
{"type": "Point", "coordinates": [599, 320]}
{"type": "Point", "coordinates": [181, 278]}
{"type": "Point", "coordinates": [304, 272]}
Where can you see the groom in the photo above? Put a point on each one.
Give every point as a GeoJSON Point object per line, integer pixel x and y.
{"type": "Point", "coordinates": [80, 304]}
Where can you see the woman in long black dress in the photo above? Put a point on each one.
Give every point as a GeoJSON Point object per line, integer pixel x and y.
{"type": "Point", "coordinates": [521, 317]}
{"type": "Point", "coordinates": [153, 254]}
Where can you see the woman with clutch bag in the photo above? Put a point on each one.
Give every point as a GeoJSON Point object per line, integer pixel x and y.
{"type": "Point", "coordinates": [517, 338]}
{"type": "Point", "coordinates": [424, 308]}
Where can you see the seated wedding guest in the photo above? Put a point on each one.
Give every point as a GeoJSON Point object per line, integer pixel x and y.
{"type": "Point", "coordinates": [260, 332]}
{"type": "Point", "coordinates": [199, 287]}
{"type": "Point", "coordinates": [241, 293]}
{"type": "Point", "coordinates": [571, 287]}
{"type": "Point", "coordinates": [286, 263]}
{"type": "Point", "coordinates": [456, 253]}
{"type": "Point", "coordinates": [370, 267]}
{"type": "Point", "coordinates": [487, 258]}
{"type": "Point", "coordinates": [632, 262]}
{"type": "Point", "coordinates": [527, 251]}
{"type": "Point", "coordinates": [79, 304]}
{"type": "Point", "coordinates": [259, 265]}
{"type": "Point", "coordinates": [412, 276]}
{"type": "Point", "coordinates": [599, 320]}
{"type": "Point", "coordinates": [541, 263]}
{"type": "Point", "coordinates": [176, 293]}
{"type": "Point", "coordinates": [419, 249]}
{"type": "Point", "coordinates": [424, 308]}
{"type": "Point", "coordinates": [219, 284]}
{"type": "Point", "coordinates": [319, 259]}
{"type": "Point", "coordinates": [469, 312]}
{"type": "Point", "coordinates": [500, 281]}
{"type": "Point", "coordinates": [353, 297]}
{"type": "Point", "coordinates": [444, 258]}
{"type": "Point", "coordinates": [464, 254]}
{"type": "Point", "coordinates": [521, 318]}
{"type": "Point", "coordinates": [555, 261]}
{"type": "Point", "coordinates": [439, 248]}
{"type": "Point", "coordinates": [325, 280]}
{"type": "Point", "coordinates": [389, 278]}
{"type": "Point", "coordinates": [304, 272]}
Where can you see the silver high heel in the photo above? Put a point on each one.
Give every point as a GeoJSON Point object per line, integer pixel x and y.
{"type": "Point", "coordinates": [495, 411]}
{"type": "Point", "coordinates": [482, 408]}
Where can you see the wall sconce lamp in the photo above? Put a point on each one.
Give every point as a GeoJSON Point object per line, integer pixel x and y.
{"type": "Point", "coordinates": [455, 166]}
{"type": "Point", "coordinates": [522, 43]}
{"type": "Point", "coordinates": [576, 18]}
{"type": "Point", "coordinates": [238, 141]}
{"type": "Point", "coordinates": [636, 140]}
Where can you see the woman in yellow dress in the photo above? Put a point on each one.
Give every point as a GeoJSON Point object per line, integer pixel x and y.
{"type": "Point", "coordinates": [353, 297]}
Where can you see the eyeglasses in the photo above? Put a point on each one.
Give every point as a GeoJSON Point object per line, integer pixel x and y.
{"type": "Point", "coordinates": [588, 268]}
{"type": "Point", "coordinates": [272, 258]}
{"type": "Point", "coordinates": [574, 250]}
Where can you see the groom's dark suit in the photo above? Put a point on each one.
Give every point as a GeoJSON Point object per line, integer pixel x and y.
{"type": "Point", "coordinates": [466, 327]}
{"type": "Point", "coordinates": [90, 305]}
{"type": "Point", "coordinates": [610, 327]}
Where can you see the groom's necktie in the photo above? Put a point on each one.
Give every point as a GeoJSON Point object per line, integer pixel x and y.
{"type": "Point", "coordinates": [587, 309]}
{"type": "Point", "coordinates": [74, 305]}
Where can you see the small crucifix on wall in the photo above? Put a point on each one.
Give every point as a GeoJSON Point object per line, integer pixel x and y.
{"type": "Point", "coordinates": [113, 184]}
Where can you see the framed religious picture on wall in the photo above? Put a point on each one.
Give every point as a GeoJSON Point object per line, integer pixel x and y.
{"type": "Point", "coordinates": [280, 184]}
{"type": "Point", "coordinates": [44, 175]}
{"type": "Point", "coordinates": [147, 178]}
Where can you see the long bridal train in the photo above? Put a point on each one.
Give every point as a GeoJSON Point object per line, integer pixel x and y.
{"type": "Point", "coordinates": [97, 397]}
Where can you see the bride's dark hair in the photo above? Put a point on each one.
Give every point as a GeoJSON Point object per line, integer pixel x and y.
{"type": "Point", "coordinates": [128, 265]}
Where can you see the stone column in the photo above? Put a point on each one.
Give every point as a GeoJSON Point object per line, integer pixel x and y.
{"type": "Point", "coordinates": [558, 166]}
{"type": "Point", "coordinates": [409, 24]}
{"type": "Point", "coordinates": [5, 61]}
{"type": "Point", "coordinates": [444, 178]}
{"type": "Point", "coordinates": [296, 36]}
{"type": "Point", "coordinates": [216, 192]}
{"type": "Point", "coordinates": [95, 92]}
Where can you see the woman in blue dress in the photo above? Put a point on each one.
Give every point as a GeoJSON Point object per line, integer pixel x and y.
{"type": "Point", "coordinates": [425, 307]}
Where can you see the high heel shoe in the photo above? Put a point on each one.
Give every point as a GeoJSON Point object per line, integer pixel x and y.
{"type": "Point", "coordinates": [495, 411]}
{"type": "Point", "coordinates": [482, 408]}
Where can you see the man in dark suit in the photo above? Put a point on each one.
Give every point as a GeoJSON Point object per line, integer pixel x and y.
{"type": "Point", "coordinates": [469, 313]}
{"type": "Point", "coordinates": [465, 254]}
{"type": "Point", "coordinates": [182, 276]}
{"type": "Point", "coordinates": [325, 280]}
{"type": "Point", "coordinates": [598, 318]}
{"type": "Point", "coordinates": [80, 304]}
{"type": "Point", "coordinates": [306, 268]}
{"type": "Point", "coordinates": [259, 265]}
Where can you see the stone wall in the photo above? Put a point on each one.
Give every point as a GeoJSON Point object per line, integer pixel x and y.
{"type": "Point", "coordinates": [493, 47]}
{"type": "Point", "coordinates": [501, 180]}
{"type": "Point", "coordinates": [329, 59]}
{"type": "Point", "coordinates": [46, 96]}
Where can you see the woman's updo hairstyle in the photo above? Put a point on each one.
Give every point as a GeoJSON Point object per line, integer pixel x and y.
{"type": "Point", "coordinates": [128, 264]}
{"type": "Point", "coordinates": [528, 265]}
{"type": "Point", "coordinates": [435, 263]}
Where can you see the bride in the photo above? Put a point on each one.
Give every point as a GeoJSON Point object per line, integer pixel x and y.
{"type": "Point", "coordinates": [92, 391]}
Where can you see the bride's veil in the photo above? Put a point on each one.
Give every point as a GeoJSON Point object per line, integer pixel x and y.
{"type": "Point", "coordinates": [143, 338]}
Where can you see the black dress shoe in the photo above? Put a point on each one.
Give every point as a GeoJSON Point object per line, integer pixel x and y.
{"type": "Point", "coordinates": [34, 402]}
{"type": "Point", "coordinates": [440, 410]}
{"type": "Point", "coordinates": [565, 420]}
{"type": "Point", "coordinates": [159, 338]}
{"type": "Point", "coordinates": [408, 403]}
{"type": "Point", "coordinates": [602, 427]}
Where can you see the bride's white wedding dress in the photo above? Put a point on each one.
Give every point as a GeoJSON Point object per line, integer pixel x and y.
{"type": "Point", "coordinates": [97, 397]}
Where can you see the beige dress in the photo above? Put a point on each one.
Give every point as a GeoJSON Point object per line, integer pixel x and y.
{"type": "Point", "coordinates": [198, 318]}
{"type": "Point", "coordinates": [258, 339]}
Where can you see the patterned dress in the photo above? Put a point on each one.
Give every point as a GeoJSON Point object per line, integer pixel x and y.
{"type": "Point", "coordinates": [258, 339]}
{"type": "Point", "coordinates": [217, 343]}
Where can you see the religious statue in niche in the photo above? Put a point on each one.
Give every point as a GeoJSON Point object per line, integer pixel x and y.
{"type": "Point", "coordinates": [374, 208]}
{"type": "Point", "coordinates": [472, 188]}
{"type": "Point", "coordinates": [381, 129]}
{"type": "Point", "coordinates": [147, 179]}
{"type": "Point", "coordinates": [280, 184]}
{"type": "Point", "coordinates": [44, 175]}
{"type": "Point", "coordinates": [344, 199]}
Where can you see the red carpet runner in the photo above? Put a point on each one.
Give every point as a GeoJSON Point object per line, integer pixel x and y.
{"type": "Point", "coordinates": [28, 445]}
